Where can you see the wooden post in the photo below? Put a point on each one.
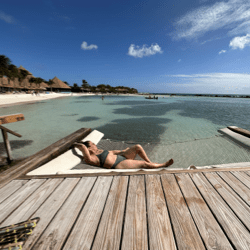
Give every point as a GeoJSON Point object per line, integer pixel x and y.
{"type": "Point", "coordinates": [7, 145]}
{"type": "Point", "coordinates": [9, 119]}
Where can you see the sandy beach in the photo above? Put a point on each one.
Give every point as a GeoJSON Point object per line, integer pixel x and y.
{"type": "Point", "coordinates": [14, 99]}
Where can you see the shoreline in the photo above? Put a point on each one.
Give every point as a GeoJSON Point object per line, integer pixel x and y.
{"type": "Point", "coordinates": [7, 100]}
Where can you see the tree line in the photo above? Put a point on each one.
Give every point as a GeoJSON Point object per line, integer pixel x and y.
{"type": "Point", "coordinates": [12, 72]}
{"type": "Point", "coordinates": [102, 88]}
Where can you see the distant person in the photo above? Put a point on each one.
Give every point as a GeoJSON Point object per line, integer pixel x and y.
{"type": "Point", "coordinates": [118, 159]}
{"type": "Point", "coordinates": [103, 97]}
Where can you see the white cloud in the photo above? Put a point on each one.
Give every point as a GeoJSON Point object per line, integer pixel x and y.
{"type": "Point", "coordinates": [6, 18]}
{"type": "Point", "coordinates": [137, 51]}
{"type": "Point", "coordinates": [240, 42]}
{"type": "Point", "coordinates": [222, 51]}
{"type": "Point", "coordinates": [212, 83]}
{"type": "Point", "coordinates": [179, 60]}
{"type": "Point", "coordinates": [85, 46]}
{"type": "Point", "coordinates": [233, 15]}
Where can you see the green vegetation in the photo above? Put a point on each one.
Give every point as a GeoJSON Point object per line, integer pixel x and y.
{"type": "Point", "coordinates": [12, 72]}
{"type": "Point", "coordinates": [102, 88]}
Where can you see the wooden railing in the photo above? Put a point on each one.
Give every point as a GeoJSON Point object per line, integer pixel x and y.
{"type": "Point", "coordinates": [9, 119]}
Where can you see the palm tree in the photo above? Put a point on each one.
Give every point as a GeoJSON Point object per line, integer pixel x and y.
{"type": "Point", "coordinates": [4, 65]}
{"type": "Point", "coordinates": [36, 80]}
{"type": "Point", "coordinates": [22, 75]}
{"type": "Point", "coordinates": [13, 72]}
{"type": "Point", "coordinates": [50, 83]}
{"type": "Point", "coordinates": [85, 84]}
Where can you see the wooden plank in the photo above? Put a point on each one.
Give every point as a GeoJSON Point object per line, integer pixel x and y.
{"type": "Point", "coordinates": [237, 233]}
{"type": "Point", "coordinates": [11, 118]}
{"type": "Point", "coordinates": [243, 177]}
{"type": "Point", "coordinates": [160, 230]}
{"type": "Point", "coordinates": [30, 205]}
{"type": "Point", "coordinates": [42, 156]}
{"type": "Point", "coordinates": [83, 233]}
{"type": "Point", "coordinates": [186, 233]}
{"type": "Point", "coordinates": [135, 227]}
{"type": "Point", "coordinates": [13, 201]}
{"type": "Point", "coordinates": [55, 234]}
{"type": "Point", "coordinates": [7, 146]}
{"type": "Point", "coordinates": [211, 233]}
{"type": "Point", "coordinates": [241, 209]}
{"type": "Point", "coordinates": [109, 231]}
{"type": "Point", "coordinates": [50, 207]}
{"type": "Point", "coordinates": [10, 131]}
{"type": "Point", "coordinates": [139, 172]}
{"type": "Point", "coordinates": [10, 188]}
{"type": "Point", "coordinates": [237, 185]}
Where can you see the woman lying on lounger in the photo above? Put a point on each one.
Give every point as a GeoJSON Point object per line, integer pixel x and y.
{"type": "Point", "coordinates": [121, 159]}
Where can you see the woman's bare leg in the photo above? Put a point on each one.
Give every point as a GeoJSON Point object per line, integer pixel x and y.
{"type": "Point", "coordinates": [135, 164]}
{"type": "Point", "coordinates": [131, 153]}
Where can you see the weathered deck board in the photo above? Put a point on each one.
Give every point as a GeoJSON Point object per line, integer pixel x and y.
{"type": "Point", "coordinates": [48, 209]}
{"type": "Point", "coordinates": [109, 231]}
{"type": "Point", "coordinates": [135, 225]}
{"type": "Point", "coordinates": [83, 233]}
{"type": "Point", "coordinates": [160, 230]}
{"type": "Point", "coordinates": [235, 230]}
{"type": "Point", "coordinates": [32, 203]}
{"type": "Point", "coordinates": [9, 189]}
{"type": "Point", "coordinates": [241, 209]}
{"type": "Point", "coordinates": [206, 210]}
{"type": "Point", "coordinates": [186, 233]}
{"type": "Point", "coordinates": [58, 230]}
{"type": "Point", "coordinates": [211, 233]}
{"type": "Point", "coordinates": [238, 186]}
{"type": "Point", "coordinates": [243, 177]}
{"type": "Point", "coordinates": [16, 199]}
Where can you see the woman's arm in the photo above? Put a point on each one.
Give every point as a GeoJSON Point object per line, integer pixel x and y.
{"type": "Point", "coordinates": [85, 152]}
{"type": "Point", "coordinates": [118, 152]}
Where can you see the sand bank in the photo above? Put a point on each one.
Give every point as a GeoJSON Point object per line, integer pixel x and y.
{"type": "Point", "coordinates": [14, 99]}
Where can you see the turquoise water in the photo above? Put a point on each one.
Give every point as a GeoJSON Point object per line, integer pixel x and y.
{"type": "Point", "coordinates": [184, 128]}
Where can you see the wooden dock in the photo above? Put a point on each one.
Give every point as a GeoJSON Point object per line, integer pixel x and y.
{"type": "Point", "coordinates": [164, 209]}
{"type": "Point", "coordinates": [188, 210]}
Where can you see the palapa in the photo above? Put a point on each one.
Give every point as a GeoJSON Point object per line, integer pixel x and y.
{"type": "Point", "coordinates": [59, 84]}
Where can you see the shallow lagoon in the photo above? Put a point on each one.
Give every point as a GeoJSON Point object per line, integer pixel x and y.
{"type": "Point", "coordinates": [184, 128]}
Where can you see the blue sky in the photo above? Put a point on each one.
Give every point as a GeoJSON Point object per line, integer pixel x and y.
{"type": "Point", "coordinates": [195, 46]}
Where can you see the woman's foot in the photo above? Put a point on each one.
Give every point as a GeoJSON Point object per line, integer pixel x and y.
{"type": "Point", "coordinates": [158, 165]}
{"type": "Point", "coordinates": [169, 162]}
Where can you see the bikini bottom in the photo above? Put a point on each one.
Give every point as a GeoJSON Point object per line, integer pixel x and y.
{"type": "Point", "coordinates": [119, 159]}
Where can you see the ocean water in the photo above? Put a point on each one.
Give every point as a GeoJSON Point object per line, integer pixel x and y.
{"type": "Point", "coordinates": [183, 128]}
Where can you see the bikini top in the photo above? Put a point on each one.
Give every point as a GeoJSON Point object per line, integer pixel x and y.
{"type": "Point", "coordinates": [102, 157]}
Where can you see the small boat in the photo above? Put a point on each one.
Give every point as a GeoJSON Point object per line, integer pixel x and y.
{"type": "Point", "coordinates": [151, 97]}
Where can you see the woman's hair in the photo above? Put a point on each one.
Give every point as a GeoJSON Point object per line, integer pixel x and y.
{"type": "Point", "coordinates": [86, 143]}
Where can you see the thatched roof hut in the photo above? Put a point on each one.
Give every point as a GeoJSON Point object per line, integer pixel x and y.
{"type": "Point", "coordinates": [7, 84]}
{"type": "Point", "coordinates": [21, 67]}
{"type": "Point", "coordinates": [59, 85]}
{"type": "Point", "coordinates": [25, 84]}
{"type": "Point", "coordinates": [44, 86]}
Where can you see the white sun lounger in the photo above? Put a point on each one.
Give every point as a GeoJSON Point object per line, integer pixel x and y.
{"type": "Point", "coordinates": [241, 139]}
{"type": "Point", "coordinates": [67, 160]}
